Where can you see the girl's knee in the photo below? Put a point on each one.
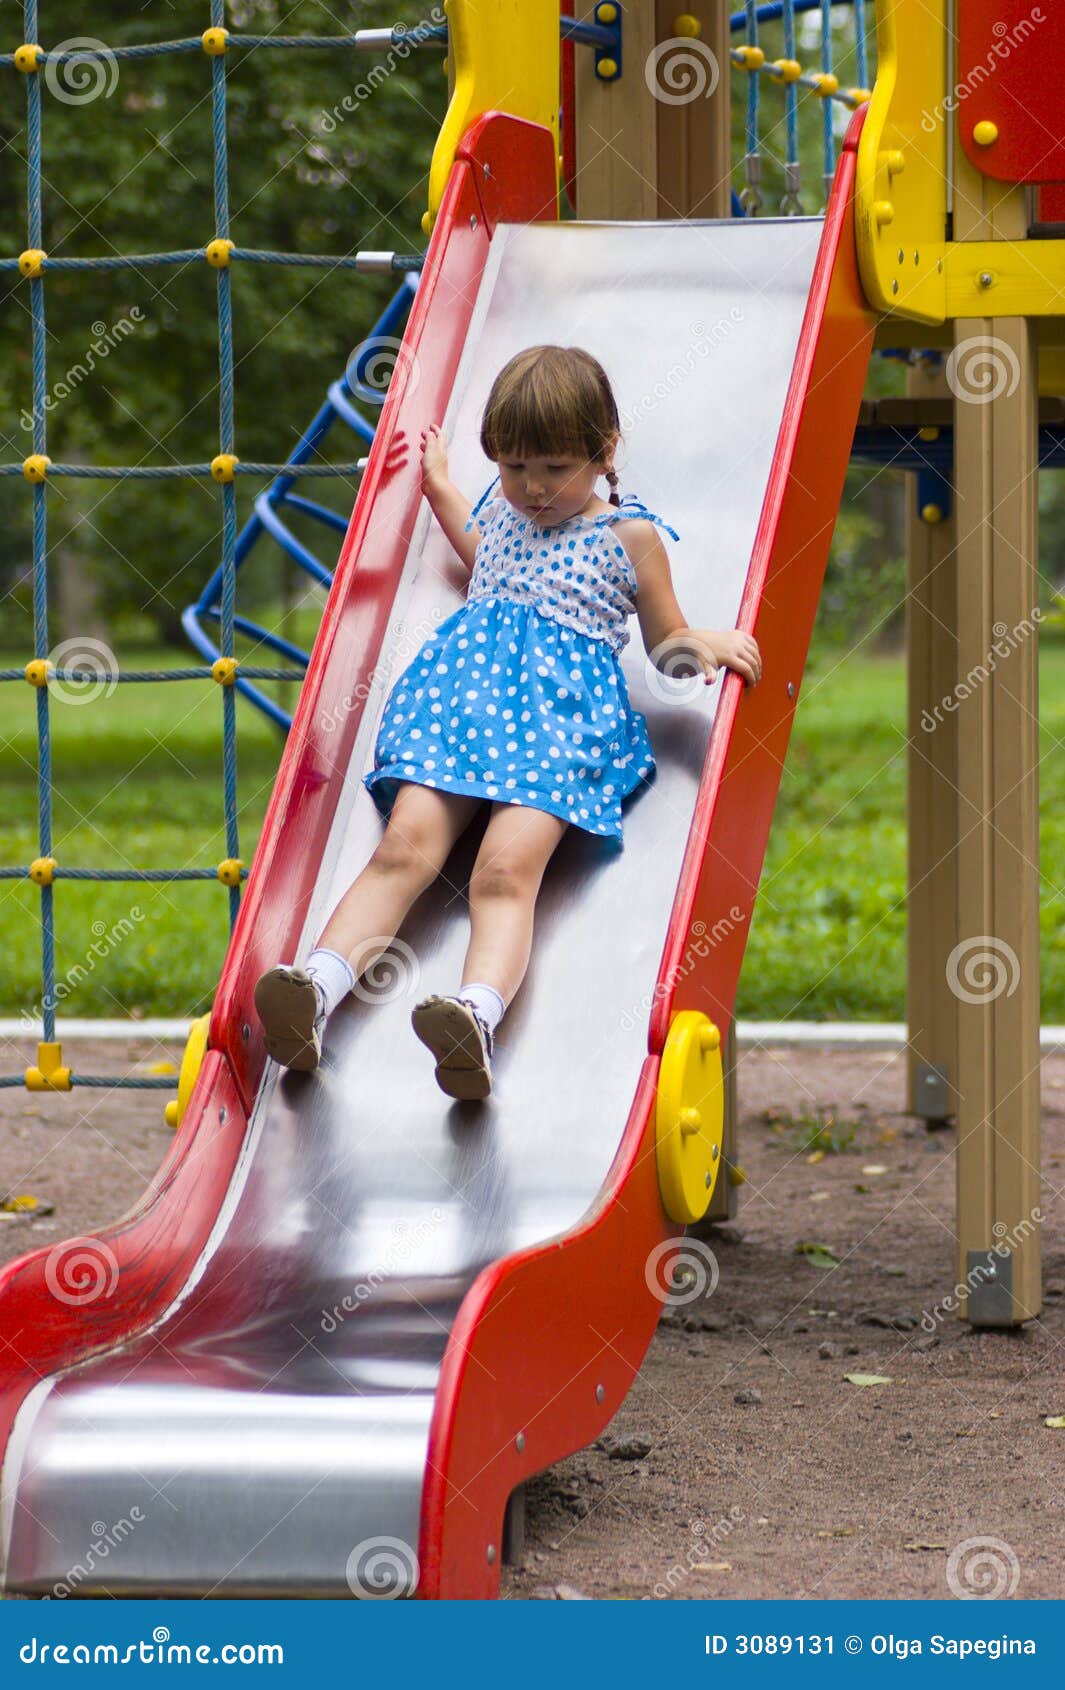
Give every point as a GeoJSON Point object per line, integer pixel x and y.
{"type": "Point", "coordinates": [405, 850]}
{"type": "Point", "coordinates": [502, 877]}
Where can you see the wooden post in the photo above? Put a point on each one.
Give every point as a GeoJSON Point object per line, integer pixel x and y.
{"type": "Point", "coordinates": [932, 784]}
{"type": "Point", "coordinates": [994, 970]}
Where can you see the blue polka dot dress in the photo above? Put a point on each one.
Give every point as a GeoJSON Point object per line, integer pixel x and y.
{"type": "Point", "coordinates": [519, 696]}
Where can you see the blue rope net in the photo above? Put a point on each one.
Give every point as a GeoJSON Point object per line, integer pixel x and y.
{"type": "Point", "coordinates": [219, 599]}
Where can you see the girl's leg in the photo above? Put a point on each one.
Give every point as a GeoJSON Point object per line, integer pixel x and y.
{"type": "Point", "coordinates": [517, 845]}
{"type": "Point", "coordinates": [422, 829]}
{"type": "Point", "coordinates": [293, 1003]}
{"type": "Point", "coordinates": [506, 878]}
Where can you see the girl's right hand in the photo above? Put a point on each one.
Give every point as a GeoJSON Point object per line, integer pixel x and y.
{"type": "Point", "coordinates": [434, 457]}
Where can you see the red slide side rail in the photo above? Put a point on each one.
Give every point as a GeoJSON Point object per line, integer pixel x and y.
{"type": "Point", "coordinates": [67, 1302]}
{"type": "Point", "coordinates": [548, 1341]}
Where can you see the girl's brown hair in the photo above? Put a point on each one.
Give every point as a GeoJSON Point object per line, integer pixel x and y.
{"type": "Point", "coordinates": [551, 400]}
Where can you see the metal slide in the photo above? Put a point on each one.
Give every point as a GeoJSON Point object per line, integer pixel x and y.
{"type": "Point", "coordinates": [339, 1336]}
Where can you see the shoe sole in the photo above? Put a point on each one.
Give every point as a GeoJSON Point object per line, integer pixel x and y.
{"type": "Point", "coordinates": [286, 1004]}
{"type": "Point", "coordinates": [450, 1032]}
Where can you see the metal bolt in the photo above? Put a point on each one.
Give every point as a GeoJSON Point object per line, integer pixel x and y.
{"type": "Point", "coordinates": [473, 220]}
{"type": "Point", "coordinates": [491, 1553]}
{"type": "Point", "coordinates": [902, 256]}
{"type": "Point", "coordinates": [519, 1442]}
{"type": "Point", "coordinates": [600, 1393]}
{"type": "Point", "coordinates": [245, 1032]}
{"type": "Point", "coordinates": [791, 689]}
{"type": "Point", "coordinates": [991, 1271]}
{"type": "Point", "coordinates": [714, 1153]}
{"type": "Point", "coordinates": [986, 278]}
{"type": "Point", "coordinates": [895, 285]}
{"type": "Point", "coordinates": [223, 1115]}
{"type": "Point", "coordinates": [488, 170]}
{"type": "Point", "coordinates": [707, 1182]}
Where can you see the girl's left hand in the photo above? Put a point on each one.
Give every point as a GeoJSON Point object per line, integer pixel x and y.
{"type": "Point", "coordinates": [736, 650]}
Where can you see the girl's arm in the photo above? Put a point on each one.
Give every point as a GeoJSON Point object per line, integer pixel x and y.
{"type": "Point", "coordinates": [450, 507]}
{"type": "Point", "coordinates": [674, 647]}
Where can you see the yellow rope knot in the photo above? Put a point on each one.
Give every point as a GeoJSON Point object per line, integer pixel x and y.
{"type": "Point", "coordinates": [224, 467]}
{"type": "Point", "coordinates": [35, 467]}
{"type": "Point", "coordinates": [31, 262]}
{"type": "Point", "coordinates": [42, 870]}
{"type": "Point", "coordinates": [224, 670]}
{"type": "Point", "coordinates": [27, 57]}
{"type": "Point", "coordinates": [214, 42]}
{"type": "Point", "coordinates": [217, 253]}
{"type": "Point", "coordinates": [228, 870]}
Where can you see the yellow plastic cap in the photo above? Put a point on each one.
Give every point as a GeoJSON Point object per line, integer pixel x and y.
{"type": "Point", "coordinates": [229, 870]}
{"type": "Point", "coordinates": [35, 467]}
{"type": "Point", "coordinates": [224, 467]}
{"type": "Point", "coordinates": [42, 870]}
{"type": "Point", "coordinates": [931, 514]}
{"type": "Point", "coordinates": [687, 25]}
{"type": "Point", "coordinates": [606, 70]}
{"type": "Point", "coordinates": [27, 57]}
{"type": "Point", "coordinates": [985, 133]}
{"type": "Point", "coordinates": [215, 42]}
{"type": "Point", "coordinates": [789, 70]}
{"type": "Point", "coordinates": [30, 262]}
{"type": "Point", "coordinates": [218, 251]}
{"type": "Point", "coordinates": [224, 670]}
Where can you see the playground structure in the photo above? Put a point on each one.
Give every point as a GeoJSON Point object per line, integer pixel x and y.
{"type": "Point", "coordinates": [430, 1405]}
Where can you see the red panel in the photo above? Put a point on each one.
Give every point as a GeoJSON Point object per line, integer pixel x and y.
{"type": "Point", "coordinates": [137, 1266]}
{"type": "Point", "coordinates": [1052, 203]}
{"type": "Point", "coordinates": [745, 759]}
{"type": "Point", "coordinates": [539, 1332]}
{"type": "Point", "coordinates": [520, 188]}
{"type": "Point", "coordinates": [569, 121]}
{"type": "Point", "coordinates": [1011, 69]}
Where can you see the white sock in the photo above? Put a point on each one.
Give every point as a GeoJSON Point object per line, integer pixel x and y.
{"type": "Point", "coordinates": [332, 975]}
{"type": "Point", "coordinates": [486, 1001]}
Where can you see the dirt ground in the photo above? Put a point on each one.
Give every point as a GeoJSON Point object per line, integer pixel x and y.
{"type": "Point", "coordinates": [743, 1463]}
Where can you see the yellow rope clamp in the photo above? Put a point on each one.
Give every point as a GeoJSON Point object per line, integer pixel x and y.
{"type": "Point", "coordinates": [42, 870]}
{"type": "Point", "coordinates": [825, 84]}
{"type": "Point", "coordinates": [789, 70]}
{"type": "Point", "coordinates": [39, 672]}
{"type": "Point", "coordinates": [31, 262]}
{"type": "Point", "coordinates": [35, 467]}
{"type": "Point", "coordinates": [224, 467]}
{"type": "Point", "coordinates": [689, 1116]}
{"type": "Point", "coordinates": [217, 253]}
{"type": "Point", "coordinates": [224, 670]}
{"type": "Point", "coordinates": [748, 58]}
{"type": "Point", "coordinates": [27, 57]}
{"type": "Point", "coordinates": [214, 42]}
{"type": "Point", "coordinates": [229, 870]}
{"type": "Point", "coordinates": [858, 96]}
{"type": "Point", "coordinates": [191, 1063]}
{"type": "Point", "coordinates": [49, 1074]}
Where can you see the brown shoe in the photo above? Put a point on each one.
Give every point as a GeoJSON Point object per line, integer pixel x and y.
{"type": "Point", "coordinates": [461, 1043]}
{"type": "Point", "coordinates": [287, 1005]}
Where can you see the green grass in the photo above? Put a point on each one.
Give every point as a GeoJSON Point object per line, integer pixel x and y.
{"type": "Point", "coordinates": [138, 779]}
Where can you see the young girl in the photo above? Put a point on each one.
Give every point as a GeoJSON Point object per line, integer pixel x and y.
{"type": "Point", "coordinates": [518, 698]}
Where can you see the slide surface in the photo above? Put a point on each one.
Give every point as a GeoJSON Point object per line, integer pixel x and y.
{"type": "Point", "coordinates": [350, 1317]}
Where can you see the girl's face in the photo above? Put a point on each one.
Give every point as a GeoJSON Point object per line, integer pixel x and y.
{"type": "Point", "coordinates": [550, 490]}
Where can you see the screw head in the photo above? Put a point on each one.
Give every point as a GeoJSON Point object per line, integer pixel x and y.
{"type": "Point", "coordinates": [491, 1553]}
{"type": "Point", "coordinates": [791, 689]}
{"type": "Point", "coordinates": [519, 1442]}
{"type": "Point", "coordinates": [986, 278]}
{"type": "Point", "coordinates": [223, 1115]}
{"type": "Point", "coordinates": [600, 1393]}
{"type": "Point", "coordinates": [245, 1032]}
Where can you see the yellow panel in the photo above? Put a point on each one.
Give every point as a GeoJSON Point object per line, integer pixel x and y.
{"type": "Point", "coordinates": [901, 188]}
{"type": "Point", "coordinates": [505, 57]}
{"type": "Point", "coordinates": [1005, 279]}
{"type": "Point", "coordinates": [689, 1116]}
